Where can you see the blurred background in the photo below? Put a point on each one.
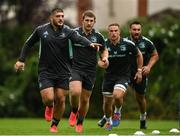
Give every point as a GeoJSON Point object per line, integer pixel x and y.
{"type": "Point", "coordinates": [19, 93]}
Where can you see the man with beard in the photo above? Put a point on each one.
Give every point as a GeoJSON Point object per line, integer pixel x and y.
{"type": "Point", "coordinates": [54, 63]}
{"type": "Point", "coordinates": [150, 57]}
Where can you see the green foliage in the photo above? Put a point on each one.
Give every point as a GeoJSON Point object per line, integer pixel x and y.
{"type": "Point", "coordinates": [13, 84]}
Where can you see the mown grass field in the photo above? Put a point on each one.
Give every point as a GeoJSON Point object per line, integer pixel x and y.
{"type": "Point", "coordinates": [41, 127]}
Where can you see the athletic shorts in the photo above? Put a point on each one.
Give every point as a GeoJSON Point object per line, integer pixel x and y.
{"type": "Point", "coordinates": [87, 80]}
{"type": "Point", "coordinates": [111, 83]}
{"type": "Point", "coordinates": [140, 88]}
{"type": "Point", "coordinates": [61, 82]}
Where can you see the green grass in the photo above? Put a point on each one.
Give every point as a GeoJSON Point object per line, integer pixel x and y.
{"type": "Point", "coordinates": [41, 127]}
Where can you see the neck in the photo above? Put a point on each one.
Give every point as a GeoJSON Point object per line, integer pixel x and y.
{"type": "Point", "coordinates": [116, 41]}
{"type": "Point", "coordinates": [134, 40]}
{"type": "Point", "coordinates": [86, 31]}
{"type": "Point", "coordinates": [55, 28]}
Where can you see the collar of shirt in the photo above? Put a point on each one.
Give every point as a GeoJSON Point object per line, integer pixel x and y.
{"type": "Point", "coordinates": [58, 28]}
{"type": "Point", "coordinates": [134, 40]}
{"type": "Point", "coordinates": [84, 33]}
{"type": "Point", "coordinates": [116, 43]}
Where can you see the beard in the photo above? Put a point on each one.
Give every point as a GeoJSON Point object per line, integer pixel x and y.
{"type": "Point", "coordinates": [136, 36]}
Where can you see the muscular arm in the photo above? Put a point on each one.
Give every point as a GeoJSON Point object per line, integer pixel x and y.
{"type": "Point", "coordinates": [139, 60]}
{"type": "Point", "coordinates": [138, 75]}
{"type": "Point", "coordinates": [153, 59]}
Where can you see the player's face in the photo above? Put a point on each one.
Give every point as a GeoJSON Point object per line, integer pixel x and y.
{"type": "Point", "coordinates": [57, 19]}
{"type": "Point", "coordinates": [88, 23]}
{"type": "Point", "coordinates": [114, 33]}
{"type": "Point", "coordinates": [135, 31]}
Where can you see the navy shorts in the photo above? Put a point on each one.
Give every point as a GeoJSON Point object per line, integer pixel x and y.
{"type": "Point", "coordinates": [140, 88]}
{"type": "Point", "coordinates": [61, 82]}
{"type": "Point", "coordinates": [87, 80]}
{"type": "Point", "coordinates": [109, 83]}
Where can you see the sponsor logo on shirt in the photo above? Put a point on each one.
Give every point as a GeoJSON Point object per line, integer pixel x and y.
{"type": "Point", "coordinates": [141, 45]}
{"type": "Point", "coordinates": [123, 48]}
{"type": "Point", "coordinates": [93, 39]}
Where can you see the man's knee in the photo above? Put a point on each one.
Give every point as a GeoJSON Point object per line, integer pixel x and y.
{"type": "Point", "coordinates": [75, 88]}
{"type": "Point", "coordinates": [47, 96]}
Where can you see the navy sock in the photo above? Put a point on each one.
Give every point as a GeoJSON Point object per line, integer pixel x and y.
{"type": "Point", "coordinates": [74, 110]}
{"type": "Point", "coordinates": [55, 122]}
{"type": "Point", "coordinates": [80, 119]}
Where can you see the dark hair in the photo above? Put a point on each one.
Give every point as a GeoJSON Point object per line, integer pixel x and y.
{"type": "Point", "coordinates": [89, 13]}
{"type": "Point", "coordinates": [56, 10]}
{"type": "Point", "coordinates": [135, 22]}
{"type": "Point", "coordinates": [114, 24]}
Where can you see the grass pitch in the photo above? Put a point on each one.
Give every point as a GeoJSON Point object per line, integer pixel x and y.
{"type": "Point", "coordinates": [41, 127]}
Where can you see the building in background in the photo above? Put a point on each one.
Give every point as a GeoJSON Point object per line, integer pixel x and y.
{"type": "Point", "coordinates": [107, 11]}
{"type": "Point", "coordinates": [122, 10]}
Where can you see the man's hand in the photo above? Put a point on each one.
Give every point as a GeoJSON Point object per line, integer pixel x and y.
{"type": "Point", "coordinates": [103, 63]}
{"type": "Point", "coordinates": [138, 76]}
{"type": "Point", "coordinates": [145, 70]}
{"type": "Point", "coordinates": [95, 45]}
{"type": "Point", "coordinates": [19, 66]}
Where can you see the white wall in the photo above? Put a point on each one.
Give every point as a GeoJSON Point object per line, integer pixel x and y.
{"type": "Point", "coordinates": [123, 10]}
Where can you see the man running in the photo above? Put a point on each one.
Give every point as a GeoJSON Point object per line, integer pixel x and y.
{"type": "Point", "coordinates": [84, 70]}
{"type": "Point", "coordinates": [54, 66]}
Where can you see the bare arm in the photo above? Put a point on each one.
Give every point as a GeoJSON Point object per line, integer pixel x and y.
{"type": "Point", "coordinates": [138, 75]}
{"type": "Point", "coordinates": [153, 59]}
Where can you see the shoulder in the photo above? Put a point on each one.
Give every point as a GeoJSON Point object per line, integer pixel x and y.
{"type": "Point", "coordinates": [126, 40]}
{"type": "Point", "coordinates": [147, 40]}
{"type": "Point", "coordinates": [77, 29]}
{"type": "Point", "coordinates": [98, 33]}
{"type": "Point", "coordinates": [40, 27]}
{"type": "Point", "coordinates": [66, 28]}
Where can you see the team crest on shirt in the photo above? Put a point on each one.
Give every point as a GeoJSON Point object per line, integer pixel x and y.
{"type": "Point", "coordinates": [45, 34]}
{"type": "Point", "coordinates": [123, 48]}
{"type": "Point", "coordinates": [141, 45]}
{"type": "Point", "coordinates": [93, 39]}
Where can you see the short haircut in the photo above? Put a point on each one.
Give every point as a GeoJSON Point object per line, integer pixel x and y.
{"type": "Point", "coordinates": [114, 24]}
{"type": "Point", "coordinates": [135, 23]}
{"type": "Point", "coordinates": [54, 10]}
{"type": "Point", "coordinates": [89, 13]}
